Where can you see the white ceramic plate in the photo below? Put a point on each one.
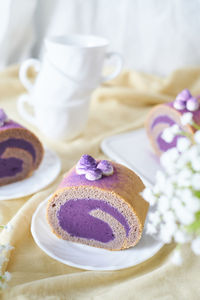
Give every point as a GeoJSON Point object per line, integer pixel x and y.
{"type": "Point", "coordinates": [47, 172]}
{"type": "Point", "coordinates": [133, 150]}
{"type": "Point", "coordinates": [86, 257]}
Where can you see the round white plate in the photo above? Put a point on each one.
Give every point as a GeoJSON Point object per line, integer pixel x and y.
{"type": "Point", "coordinates": [86, 257]}
{"type": "Point", "coordinates": [47, 172]}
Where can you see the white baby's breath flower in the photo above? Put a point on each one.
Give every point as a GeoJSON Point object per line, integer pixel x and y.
{"type": "Point", "coordinates": [172, 155]}
{"type": "Point", "coordinates": [154, 218]}
{"type": "Point", "coordinates": [163, 203]}
{"type": "Point", "coordinates": [195, 181]}
{"type": "Point", "coordinates": [175, 129]}
{"type": "Point", "coordinates": [165, 234]}
{"type": "Point", "coordinates": [177, 204]}
{"type": "Point", "coordinates": [176, 258]}
{"type": "Point", "coordinates": [149, 196]}
{"type": "Point", "coordinates": [183, 144]}
{"type": "Point", "coordinates": [171, 226]}
{"type": "Point", "coordinates": [183, 161]}
{"type": "Point", "coordinates": [193, 205]}
{"type": "Point", "coordinates": [187, 118]}
{"type": "Point", "coordinates": [167, 135]}
{"type": "Point", "coordinates": [156, 190]}
{"type": "Point", "coordinates": [195, 164]}
{"type": "Point", "coordinates": [181, 237]}
{"type": "Point", "coordinates": [174, 193]}
{"type": "Point", "coordinates": [197, 136]}
{"type": "Point", "coordinates": [195, 245]}
{"type": "Point", "coordinates": [168, 160]}
{"type": "Point", "coordinates": [169, 216]}
{"type": "Point", "coordinates": [169, 189]}
{"type": "Point", "coordinates": [184, 216]}
{"type": "Point", "coordinates": [186, 195]}
{"type": "Point", "coordinates": [193, 152]}
{"type": "Point", "coordinates": [160, 179]}
{"type": "Point", "coordinates": [193, 155]}
{"type": "Point", "coordinates": [184, 178]}
{"type": "Point", "coordinates": [151, 229]}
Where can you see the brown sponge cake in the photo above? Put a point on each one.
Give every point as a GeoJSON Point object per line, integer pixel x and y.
{"type": "Point", "coordinates": [21, 152]}
{"type": "Point", "coordinates": [99, 208]}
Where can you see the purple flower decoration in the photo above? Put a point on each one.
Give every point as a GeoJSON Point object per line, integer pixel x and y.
{"type": "Point", "coordinates": [105, 167]}
{"type": "Point", "coordinates": [184, 100]}
{"type": "Point", "coordinates": [88, 166]}
{"type": "Point", "coordinates": [93, 174]}
{"type": "Point", "coordinates": [184, 95]}
{"type": "Point", "coordinates": [3, 117]}
{"type": "Point", "coordinates": [192, 104]}
{"type": "Point", "coordinates": [86, 162]}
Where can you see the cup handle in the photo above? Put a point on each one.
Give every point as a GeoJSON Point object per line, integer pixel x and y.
{"type": "Point", "coordinates": [35, 63]}
{"type": "Point", "coordinates": [119, 63]}
{"type": "Point", "coordinates": [22, 111]}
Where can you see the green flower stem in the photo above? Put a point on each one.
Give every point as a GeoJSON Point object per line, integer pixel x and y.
{"type": "Point", "coordinates": [187, 134]}
{"type": "Point", "coordinates": [195, 125]}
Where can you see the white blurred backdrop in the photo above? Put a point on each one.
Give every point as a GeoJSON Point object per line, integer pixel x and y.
{"type": "Point", "coordinates": [153, 36]}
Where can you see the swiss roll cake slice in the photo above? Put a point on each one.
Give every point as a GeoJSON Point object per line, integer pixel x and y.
{"type": "Point", "coordinates": [166, 115]}
{"type": "Point", "coordinates": [21, 151]}
{"type": "Point", "coordinates": [98, 203]}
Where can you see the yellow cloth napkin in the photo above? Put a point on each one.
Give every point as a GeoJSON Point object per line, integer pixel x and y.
{"type": "Point", "coordinates": [118, 106]}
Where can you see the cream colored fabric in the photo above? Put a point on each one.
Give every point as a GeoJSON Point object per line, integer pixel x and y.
{"type": "Point", "coordinates": [116, 107]}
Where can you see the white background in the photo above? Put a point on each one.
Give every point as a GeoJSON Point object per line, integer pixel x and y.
{"type": "Point", "coordinates": [153, 36]}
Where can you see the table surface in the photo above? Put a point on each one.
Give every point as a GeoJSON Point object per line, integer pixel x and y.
{"type": "Point", "coordinates": [118, 106]}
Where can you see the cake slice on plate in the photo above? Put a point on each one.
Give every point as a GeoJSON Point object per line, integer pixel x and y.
{"type": "Point", "coordinates": [21, 152]}
{"type": "Point", "coordinates": [98, 203]}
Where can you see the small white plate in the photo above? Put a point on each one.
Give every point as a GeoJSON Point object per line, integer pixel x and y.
{"type": "Point", "coordinates": [86, 257]}
{"type": "Point", "coordinates": [133, 150]}
{"type": "Point", "coordinates": [47, 172]}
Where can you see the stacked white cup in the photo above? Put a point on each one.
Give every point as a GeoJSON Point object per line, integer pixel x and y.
{"type": "Point", "coordinates": [60, 96]}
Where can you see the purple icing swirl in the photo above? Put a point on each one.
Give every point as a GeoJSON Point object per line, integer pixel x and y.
{"type": "Point", "coordinates": [86, 161]}
{"type": "Point", "coordinates": [185, 100]}
{"type": "Point", "coordinates": [93, 170]}
{"type": "Point", "coordinates": [184, 95]}
{"type": "Point", "coordinates": [105, 167]}
{"type": "Point", "coordinates": [93, 174]}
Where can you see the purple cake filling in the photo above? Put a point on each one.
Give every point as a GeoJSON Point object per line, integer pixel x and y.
{"type": "Point", "coordinates": [74, 218]}
{"type": "Point", "coordinates": [164, 146]}
{"type": "Point", "coordinates": [17, 143]}
{"type": "Point", "coordinates": [162, 119]}
{"type": "Point", "coordinates": [10, 166]}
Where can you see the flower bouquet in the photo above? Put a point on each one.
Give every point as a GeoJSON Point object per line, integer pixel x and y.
{"type": "Point", "coordinates": [176, 193]}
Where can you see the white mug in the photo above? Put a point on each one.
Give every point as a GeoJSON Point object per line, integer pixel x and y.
{"type": "Point", "coordinates": [51, 85]}
{"type": "Point", "coordinates": [82, 57]}
{"type": "Point", "coordinates": [56, 121]}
